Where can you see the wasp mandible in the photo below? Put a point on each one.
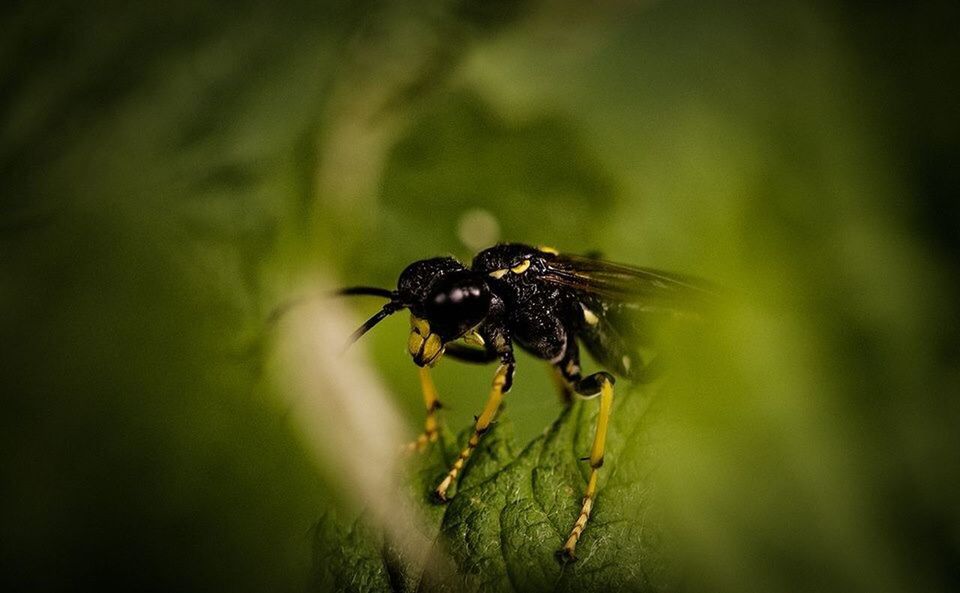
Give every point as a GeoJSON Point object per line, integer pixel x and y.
{"type": "Point", "coordinates": [545, 302]}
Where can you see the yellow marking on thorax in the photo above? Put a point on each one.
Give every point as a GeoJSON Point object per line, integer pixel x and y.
{"type": "Point", "coordinates": [589, 316]}
{"type": "Point", "coordinates": [521, 267]}
{"type": "Point", "coordinates": [546, 249]}
{"type": "Point", "coordinates": [517, 269]}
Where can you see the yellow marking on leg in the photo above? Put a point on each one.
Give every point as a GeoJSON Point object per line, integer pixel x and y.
{"type": "Point", "coordinates": [603, 420]}
{"type": "Point", "coordinates": [483, 423]}
{"type": "Point", "coordinates": [596, 460]}
{"type": "Point", "coordinates": [563, 390]}
{"type": "Point", "coordinates": [431, 428]}
{"type": "Point", "coordinates": [473, 337]}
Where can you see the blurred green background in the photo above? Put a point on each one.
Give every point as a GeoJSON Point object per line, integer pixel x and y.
{"type": "Point", "coordinates": [171, 172]}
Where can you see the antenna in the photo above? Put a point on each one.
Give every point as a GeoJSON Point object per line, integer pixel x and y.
{"type": "Point", "coordinates": [284, 308]}
{"type": "Point", "coordinates": [387, 310]}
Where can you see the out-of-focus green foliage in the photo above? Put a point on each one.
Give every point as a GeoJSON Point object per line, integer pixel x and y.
{"type": "Point", "coordinates": [168, 174]}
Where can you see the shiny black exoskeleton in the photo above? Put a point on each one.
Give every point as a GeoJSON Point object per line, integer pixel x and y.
{"type": "Point", "coordinates": [502, 299]}
{"type": "Point", "coordinates": [545, 302]}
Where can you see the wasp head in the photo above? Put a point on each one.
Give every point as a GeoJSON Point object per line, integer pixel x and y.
{"type": "Point", "coordinates": [445, 300]}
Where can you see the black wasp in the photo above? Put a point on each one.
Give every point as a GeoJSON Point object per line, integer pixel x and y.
{"type": "Point", "coordinates": [545, 302]}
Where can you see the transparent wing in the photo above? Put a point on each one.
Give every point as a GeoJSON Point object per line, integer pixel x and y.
{"type": "Point", "coordinates": [639, 289]}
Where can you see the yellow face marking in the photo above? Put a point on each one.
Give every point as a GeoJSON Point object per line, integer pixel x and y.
{"type": "Point", "coordinates": [521, 268]}
{"type": "Point", "coordinates": [432, 347]}
{"type": "Point", "coordinates": [498, 274]}
{"type": "Point", "coordinates": [419, 330]}
{"type": "Point", "coordinates": [422, 326]}
{"type": "Point", "coordinates": [414, 343]}
{"type": "Point", "coordinates": [423, 344]}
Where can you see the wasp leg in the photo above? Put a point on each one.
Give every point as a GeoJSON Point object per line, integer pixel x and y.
{"type": "Point", "coordinates": [601, 383]}
{"type": "Point", "coordinates": [567, 371]}
{"type": "Point", "coordinates": [431, 428]}
{"type": "Point", "coordinates": [501, 384]}
{"type": "Point", "coordinates": [563, 388]}
{"type": "Point", "coordinates": [468, 354]}
{"type": "Point", "coordinates": [430, 399]}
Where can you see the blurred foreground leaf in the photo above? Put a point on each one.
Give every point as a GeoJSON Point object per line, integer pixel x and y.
{"type": "Point", "coordinates": [168, 172]}
{"type": "Point", "coordinates": [514, 509]}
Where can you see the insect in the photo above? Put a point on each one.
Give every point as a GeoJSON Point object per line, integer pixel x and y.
{"type": "Point", "coordinates": [545, 302]}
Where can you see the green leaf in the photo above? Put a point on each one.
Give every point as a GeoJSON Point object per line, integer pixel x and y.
{"type": "Point", "coordinates": [514, 508]}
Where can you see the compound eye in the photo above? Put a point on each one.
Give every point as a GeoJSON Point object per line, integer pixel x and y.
{"type": "Point", "coordinates": [457, 295]}
{"type": "Point", "coordinates": [457, 305]}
